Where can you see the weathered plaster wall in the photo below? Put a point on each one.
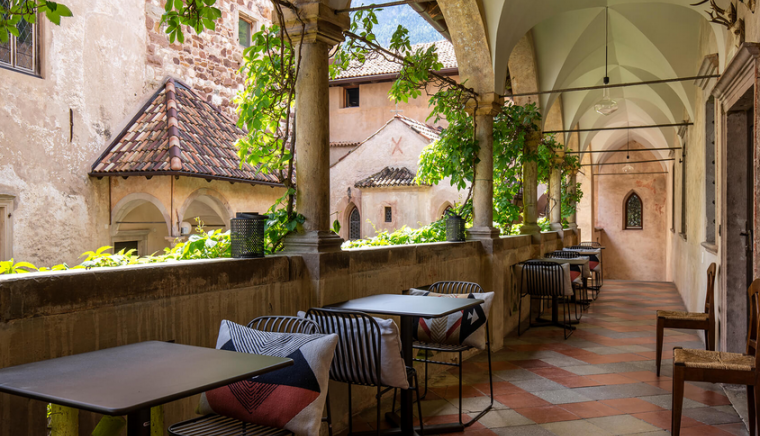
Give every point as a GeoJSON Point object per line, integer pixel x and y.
{"type": "Point", "coordinates": [375, 109]}
{"type": "Point", "coordinates": [633, 254]}
{"type": "Point", "coordinates": [396, 145]}
{"type": "Point", "coordinates": [79, 311]}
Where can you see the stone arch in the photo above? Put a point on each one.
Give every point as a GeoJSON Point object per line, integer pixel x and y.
{"type": "Point", "coordinates": [442, 209]}
{"type": "Point", "coordinates": [211, 198]}
{"type": "Point", "coordinates": [130, 202]}
{"type": "Point", "coordinates": [349, 213]}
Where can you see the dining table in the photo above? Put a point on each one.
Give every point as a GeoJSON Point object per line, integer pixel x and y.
{"type": "Point", "coordinates": [408, 308]}
{"type": "Point", "coordinates": [130, 379]}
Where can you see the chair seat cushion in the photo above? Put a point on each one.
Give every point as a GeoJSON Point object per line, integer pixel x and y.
{"type": "Point", "coordinates": [466, 327]}
{"type": "Point", "coordinates": [713, 360]}
{"type": "Point", "coordinates": [291, 398]}
{"type": "Point", "coordinates": [685, 316]}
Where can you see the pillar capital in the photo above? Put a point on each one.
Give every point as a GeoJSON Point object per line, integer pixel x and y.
{"type": "Point", "coordinates": [322, 24]}
{"type": "Point", "coordinates": [488, 104]}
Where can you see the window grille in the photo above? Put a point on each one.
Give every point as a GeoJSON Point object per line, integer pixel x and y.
{"type": "Point", "coordinates": [710, 171]}
{"type": "Point", "coordinates": [634, 213]}
{"type": "Point", "coordinates": [20, 52]}
{"type": "Point", "coordinates": [388, 214]}
{"type": "Point", "coordinates": [355, 225]}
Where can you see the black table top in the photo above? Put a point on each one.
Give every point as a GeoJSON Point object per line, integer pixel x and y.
{"type": "Point", "coordinates": [122, 380]}
{"type": "Point", "coordinates": [409, 305]}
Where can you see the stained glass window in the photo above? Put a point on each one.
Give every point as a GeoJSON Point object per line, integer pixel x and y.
{"type": "Point", "coordinates": [355, 225]}
{"type": "Point", "coordinates": [634, 215]}
{"type": "Point", "coordinates": [20, 52]}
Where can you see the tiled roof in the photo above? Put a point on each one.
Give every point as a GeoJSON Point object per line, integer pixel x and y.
{"type": "Point", "coordinates": [344, 144]}
{"type": "Point", "coordinates": [376, 64]}
{"type": "Point", "coordinates": [388, 177]}
{"type": "Point", "coordinates": [177, 132]}
{"type": "Point", "coordinates": [431, 133]}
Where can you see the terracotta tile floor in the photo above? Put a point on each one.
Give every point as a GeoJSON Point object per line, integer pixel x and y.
{"type": "Point", "coordinates": [600, 381]}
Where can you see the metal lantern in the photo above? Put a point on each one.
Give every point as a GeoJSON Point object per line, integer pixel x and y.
{"type": "Point", "coordinates": [247, 234]}
{"type": "Point", "coordinates": [454, 227]}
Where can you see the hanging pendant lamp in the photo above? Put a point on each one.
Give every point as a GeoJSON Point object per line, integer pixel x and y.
{"type": "Point", "coordinates": [628, 168]}
{"type": "Point", "coordinates": [606, 105]}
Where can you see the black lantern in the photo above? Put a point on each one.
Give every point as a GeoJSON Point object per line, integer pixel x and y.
{"type": "Point", "coordinates": [247, 234]}
{"type": "Point", "coordinates": [454, 227]}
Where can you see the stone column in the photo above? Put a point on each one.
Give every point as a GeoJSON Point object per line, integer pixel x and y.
{"type": "Point", "coordinates": [530, 188]}
{"type": "Point", "coordinates": [571, 183]}
{"type": "Point", "coordinates": [486, 108]}
{"type": "Point", "coordinates": [555, 193]}
{"type": "Point", "coordinates": [323, 29]}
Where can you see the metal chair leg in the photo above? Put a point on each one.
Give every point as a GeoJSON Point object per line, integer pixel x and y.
{"type": "Point", "coordinates": [350, 412]}
{"type": "Point", "coordinates": [377, 420]}
{"type": "Point", "coordinates": [419, 403]}
{"type": "Point", "coordinates": [328, 418]}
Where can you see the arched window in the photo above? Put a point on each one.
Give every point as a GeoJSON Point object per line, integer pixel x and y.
{"type": "Point", "coordinates": [634, 212]}
{"type": "Point", "coordinates": [446, 211]}
{"type": "Point", "coordinates": [355, 225]}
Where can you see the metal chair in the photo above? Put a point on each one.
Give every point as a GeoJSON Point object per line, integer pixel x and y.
{"type": "Point", "coordinates": [357, 358]}
{"type": "Point", "coordinates": [722, 367]}
{"type": "Point", "coordinates": [213, 425]}
{"type": "Point", "coordinates": [545, 280]}
{"type": "Point", "coordinates": [597, 274]}
{"type": "Point", "coordinates": [581, 291]}
{"type": "Point", "coordinates": [459, 288]}
{"type": "Point", "coordinates": [690, 320]}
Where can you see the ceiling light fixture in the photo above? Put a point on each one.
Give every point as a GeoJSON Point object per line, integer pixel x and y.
{"type": "Point", "coordinates": [628, 168]}
{"type": "Point", "coordinates": [606, 105]}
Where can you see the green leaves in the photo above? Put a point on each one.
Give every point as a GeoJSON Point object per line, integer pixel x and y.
{"type": "Point", "coordinates": [12, 12]}
{"type": "Point", "coordinates": [195, 14]}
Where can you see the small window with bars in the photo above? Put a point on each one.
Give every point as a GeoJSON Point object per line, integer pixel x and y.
{"type": "Point", "coordinates": [634, 212]}
{"type": "Point", "coordinates": [355, 225]}
{"type": "Point", "coordinates": [21, 52]}
{"type": "Point", "coordinates": [352, 97]}
{"type": "Point", "coordinates": [388, 214]}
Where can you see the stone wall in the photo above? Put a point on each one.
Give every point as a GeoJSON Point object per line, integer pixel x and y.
{"type": "Point", "coordinates": [207, 62]}
{"type": "Point", "coordinates": [48, 315]}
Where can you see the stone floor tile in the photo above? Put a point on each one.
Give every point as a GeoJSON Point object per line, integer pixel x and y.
{"type": "Point", "coordinates": [475, 404]}
{"type": "Point", "coordinates": [575, 428]}
{"type": "Point", "coordinates": [612, 379]}
{"type": "Point", "coordinates": [644, 376]}
{"type": "Point", "coordinates": [562, 396]}
{"type": "Point", "coordinates": [586, 369]}
{"type": "Point", "coordinates": [528, 430]}
{"type": "Point", "coordinates": [622, 424]}
{"type": "Point", "coordinates": [504, 418]}
{"type": "Point", "coordinates": [437, 408]}
{"type": "Point", "coordinates": [617, 367]}
{"type": "Point", "coordinates": [635, 348]}
{"type": "Point", "coordinates": [666, 401]}
{"type": "Point", "coordinates": [542, 415]}
{"type": "Point", "coordinates": [516, 374]}
{"type": "Point", "coordinates": [563, 361]}
{"type": "Point", "coordinates": [537, 385]}
{"type": "Point", "coordinates": [576, 381]}
{"type": "Point", "coordinates": [604, 350]}
{"type": "Point", "coordinates": [620, 391]}
{"type": "Point", "coordinates": [632, 405]}
{"type": "Point", "coordinates": [591, 409]}
{"type": "Point", "coordinates": [524, 400]}
{"type": "Point", "coordinates": [738, 429]}
{"type": "Point", "coordinates": [663, 419]}
{"type": "Point", "coordinates": [712, 416]}
{"type": "Point", "coordinates": [704, 430]}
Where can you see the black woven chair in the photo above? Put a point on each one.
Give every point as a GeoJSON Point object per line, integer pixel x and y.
{"type": "Point", "coordinates": [459, 288]}
{"type": "Point", "coordinates": [357, 358]}
{"type": "Point", "coordinates": [216, 425]}
{"type": "Point", "coordinates": [597, 275]}
{"type": "Point", "coordinates": [543, 281]}
{"type": "Point", "coordinates": [581, 291]}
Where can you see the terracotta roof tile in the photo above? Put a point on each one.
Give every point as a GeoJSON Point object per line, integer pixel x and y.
{"type": "Point", "coordinates": [430, 133]}
{"type": "Point", "coordinates": [344, 144]}
{"type": "Point", "coordinates": [376, 64]}
{"type": "Point", "coordinates": [206, 137]}
{"type": "Point", "coordinates": [388, 177]}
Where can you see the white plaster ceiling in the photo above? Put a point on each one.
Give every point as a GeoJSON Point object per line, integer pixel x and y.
{"type": "Point", "coordinates": [648, 40]}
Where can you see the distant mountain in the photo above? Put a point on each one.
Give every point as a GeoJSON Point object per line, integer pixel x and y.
{"type": "Point", "coordinates": [390, 18]}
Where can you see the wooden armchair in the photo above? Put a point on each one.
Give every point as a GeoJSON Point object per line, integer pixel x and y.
{"type": "Point", "coordinates": [690, 320]}
{"type": "Point", "coordinates": [721, 367]}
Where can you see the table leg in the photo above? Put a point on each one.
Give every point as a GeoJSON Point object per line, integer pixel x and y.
{"type": "Point", "coordinates": [407, 340]}
{"type": "Point", "coordinates": [138, 423]}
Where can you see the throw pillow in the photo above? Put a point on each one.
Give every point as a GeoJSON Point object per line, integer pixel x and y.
{"type": "Point", "coordinates": [292, 398]}
{"type": "Point", "coordinates": [465, 327]}
{"type": "Point", "coordinates": [392, 366]}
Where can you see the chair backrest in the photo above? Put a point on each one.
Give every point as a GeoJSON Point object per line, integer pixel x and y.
{"type": "Point", "coordinates": [591, 244]}
{"type": "Point", "coordinates": [754, 320]}
{"type": "Point", "coordinates": [453, 287]}
{"type": "Point", "coordinates": [710, 296]}
{"type": "Point", "coordinates": [543, 279]}
{"type": "Point", "coordinates": [357, 355]}
{"type": "Point", "coordinates": [284, 324]}
{"type": "Point", "coordinates": [562, 254]}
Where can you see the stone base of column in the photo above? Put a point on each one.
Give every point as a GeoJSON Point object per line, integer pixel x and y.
{"type": "Point", "coordinates": [312, 242]}
{"type": "Point", "coordinates": [532, 229]}
{"type": "Point", "coordinates": [572, 226]}
{"type": "Point", "coordinates": [557, 227]}
{"type": "Point", "coordinates": [481, 233]}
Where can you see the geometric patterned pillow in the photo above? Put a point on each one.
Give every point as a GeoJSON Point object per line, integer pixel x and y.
{"type": "Point", "coordinates": [293, 397]}
{"type": "Point", "coordinates": [465, 327]}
